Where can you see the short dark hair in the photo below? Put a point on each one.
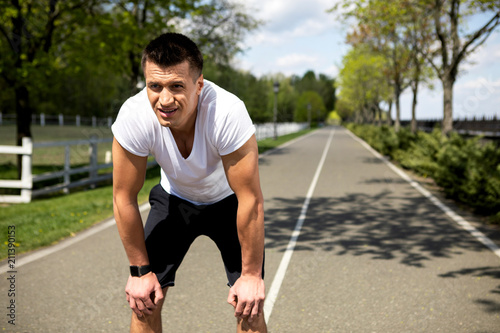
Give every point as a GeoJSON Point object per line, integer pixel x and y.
{"type": "Point", "coordinates": [171, 49]}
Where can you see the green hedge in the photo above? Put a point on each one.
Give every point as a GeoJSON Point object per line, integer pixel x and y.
{"type": "Point", "coordinates": [468, 170]}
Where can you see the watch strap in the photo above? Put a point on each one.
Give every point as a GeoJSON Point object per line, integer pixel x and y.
{"type": "Point", "coordinates": [140, 270]}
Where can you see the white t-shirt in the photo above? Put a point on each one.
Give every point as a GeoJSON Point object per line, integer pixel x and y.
{"type": "Point", "coordinates": [222, 126]}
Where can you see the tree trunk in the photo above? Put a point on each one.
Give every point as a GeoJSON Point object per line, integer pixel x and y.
{"type": "Point", "coordinates": [447, 125]}
{"type": "Point", "coordinates": [389, 114]}
{"type": "Point", "coordinates": [135, 71]}
{"type": "Point", "coordinates": [379, 113]}
{"type": "Point", "coordinates": [23, 120]}
{"type": "Point", "coordinates": [414, 108]}
{"type": "Point", "coordinates": [397, 123]}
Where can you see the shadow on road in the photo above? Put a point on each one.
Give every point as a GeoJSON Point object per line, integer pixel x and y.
{"type": "Point", "coordinates": [410, 230]}
{"type": "Point", "coordinates": [381, 226]}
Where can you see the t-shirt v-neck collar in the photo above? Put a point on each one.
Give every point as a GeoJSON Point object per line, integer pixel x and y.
{"type": "Point", "coordinates": [174, 143]}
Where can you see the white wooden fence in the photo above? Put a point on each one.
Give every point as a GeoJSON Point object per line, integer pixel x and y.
{"type": "Point", "coordinates": [60, 120]}
{"type": "Point", "coordinates": [264, 131]}
{"type": "Point", "coordinates": [25, 184]}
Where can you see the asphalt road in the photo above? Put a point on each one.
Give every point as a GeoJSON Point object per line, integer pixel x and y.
{"type": "Point", "coordinates": [373, 255]}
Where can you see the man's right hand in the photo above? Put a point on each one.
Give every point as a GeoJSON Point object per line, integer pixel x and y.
{"type": "Point", "coordinates": [143, 293]}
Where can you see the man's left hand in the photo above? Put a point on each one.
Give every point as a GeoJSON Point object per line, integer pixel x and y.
{"type": "Point", "coordinates": [247, 297]}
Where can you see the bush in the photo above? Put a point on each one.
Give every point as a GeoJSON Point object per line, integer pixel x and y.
{"type": "Point", "coordinates": [383, 139]}
{"type": "Point", "coordinates": [467, 169]}
{"type": "Point", "coordinates": [421, 154]}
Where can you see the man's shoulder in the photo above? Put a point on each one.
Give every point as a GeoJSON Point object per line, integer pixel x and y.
{"type": "Point", "coordinates": [136, 108]}
{"type": "Point", "coordinates": [138, 101]}
{"type": "Point", "coordinates": [214, 95]}
{"type": "Point", "coordinates": [135, 113]}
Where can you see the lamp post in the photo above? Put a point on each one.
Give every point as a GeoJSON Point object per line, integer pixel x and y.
{"type": "Point", "coordinates": [276, 88]}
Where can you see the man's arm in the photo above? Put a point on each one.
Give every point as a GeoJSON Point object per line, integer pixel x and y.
{"type": "Point", "coordinates": [129, 172]}
{"type": "Point", "coordinates": [242, 171]}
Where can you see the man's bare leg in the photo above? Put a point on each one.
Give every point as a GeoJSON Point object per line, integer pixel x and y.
{"type": "Point", "coordinates": [148, 323]}
{"type": "Point", "coordinates": [258, 325]}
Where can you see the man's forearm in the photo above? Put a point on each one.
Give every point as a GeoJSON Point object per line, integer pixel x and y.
{"type": "Point", "coordinates": [131, 230]}
{"type": "Point", "coordinates": [250, 222]}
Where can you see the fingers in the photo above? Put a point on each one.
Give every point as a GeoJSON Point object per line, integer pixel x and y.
{"type": "Point", "coordinates": [256, 311]}
{"type": "Point", "coordinates": [239, 309]}
{"type": "Point", "coordinates": [157, 295]}
{"type": "Point", "coordinates": [133, 306]}
{"type": "Point", "coordinates": [247, 310]}
{"type": "Point", "coordinates": [144, 294]}
{"type": "Point", "coordinates": [247, 298]}
{"type": "Point", "coordinates": [140, 306]}
{"type": "Point", "coordinates": [232, 298]}
{"type": "Point", "coordinates": [144, 304]}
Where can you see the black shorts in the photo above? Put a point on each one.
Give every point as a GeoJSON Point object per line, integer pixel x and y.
{"type": "Point", "coordinates": [173, 224]}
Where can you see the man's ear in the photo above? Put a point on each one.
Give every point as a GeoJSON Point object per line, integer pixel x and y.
{"type": "Point", "coordinates": [199, 84]}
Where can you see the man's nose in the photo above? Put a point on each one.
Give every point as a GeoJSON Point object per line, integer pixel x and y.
{"type": "Point", "coordinates": [166, 97]}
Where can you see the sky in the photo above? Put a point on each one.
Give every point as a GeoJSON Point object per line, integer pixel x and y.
{"type": "Point", "coordinates": [299, 35]}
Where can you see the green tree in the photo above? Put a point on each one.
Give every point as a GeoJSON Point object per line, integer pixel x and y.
{"type": "Point", "coordinates": [419, 37]}
{"type": "Point", "coordinates": [310, 108]}
{"type": "Point", "coordinates": [287, 99]}
{"type": "Point", "coordinates": [362, 84]}
{"type": "Point", "coordinates": [247, 87]}
{"type": "Point", "coordinates": [327, 90]}
{"type": "Point", "coordinates": [218, 27]}
{"type": "Point", "coordinates": [29, 30]}
{"type": "Point", "coordinates": [308, 82]}
{"type": "Point", "coordinates": [381, 25]}
{"type": "Point", "coordinates": [455, 42]}
{"type": "Point", "coordinates": [322, 84]}
{"type": "Point", "coordinates": [132, 24]}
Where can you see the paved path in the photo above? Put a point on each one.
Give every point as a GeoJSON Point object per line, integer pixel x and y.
{"type": "Point", "coordinates": [373, 255]}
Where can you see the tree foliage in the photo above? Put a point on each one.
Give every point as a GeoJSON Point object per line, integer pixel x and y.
{"type": "Point", "coordinates": [29, 31]}
{"type": "Point", "coordinates": [310, 107]}
{"type": "Point", "coordinates": [455, 42]}
{"type": "Point", "coordinates": [83, 56]}
{"type": "Point", "coordinates": [363, 85]}
{"type": "Point", "coordinates": [417, 34]}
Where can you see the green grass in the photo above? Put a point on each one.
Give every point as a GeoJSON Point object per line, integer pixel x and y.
{"type": "Point", "coordinates": [46, 221]}
{"type": "Point", "coordinates": [270, 143]}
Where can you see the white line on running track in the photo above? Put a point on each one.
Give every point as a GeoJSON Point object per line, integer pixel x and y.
{"type": "Point", "coordinates": [448, 211]}
{"type": "Point", "coordinates": [280, 273]}
{"type": "Point", "coordinates": [65, 243]}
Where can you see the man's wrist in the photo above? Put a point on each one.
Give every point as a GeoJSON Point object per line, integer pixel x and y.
{"type": "Point", "coordinates": [140, 270]}
{"type": "Point", "coordinates": [252, 274]}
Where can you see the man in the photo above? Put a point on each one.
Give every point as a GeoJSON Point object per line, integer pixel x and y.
{"type": "Point", "coordinates": [203, 139]}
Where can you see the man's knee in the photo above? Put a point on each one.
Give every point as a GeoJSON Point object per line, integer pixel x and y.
{"type": "Point", "coordinates": [257, 325]}
{"type": "Point", "coordinates": [149, 322]}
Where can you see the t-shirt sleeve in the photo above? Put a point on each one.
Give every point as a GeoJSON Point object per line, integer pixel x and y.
{"type": "Point", "coordinates": [235, 129]}
{"type": "Point", "coordinates": [131, 129]}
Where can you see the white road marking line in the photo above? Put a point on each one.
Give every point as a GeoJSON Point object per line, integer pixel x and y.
{"type": "Point", "coordinates": [447, 210]}
{"type": "Point", "coordinates": [65, 243]}
{"type": "Point", "coordinates": [280, 273]}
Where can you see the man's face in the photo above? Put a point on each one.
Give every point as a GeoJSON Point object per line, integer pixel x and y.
{"type": "Point", "coordinates": [173, 94]}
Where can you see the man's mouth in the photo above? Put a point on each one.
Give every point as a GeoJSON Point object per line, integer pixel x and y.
{"type": "Point", "coordinates": [167, 112]}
